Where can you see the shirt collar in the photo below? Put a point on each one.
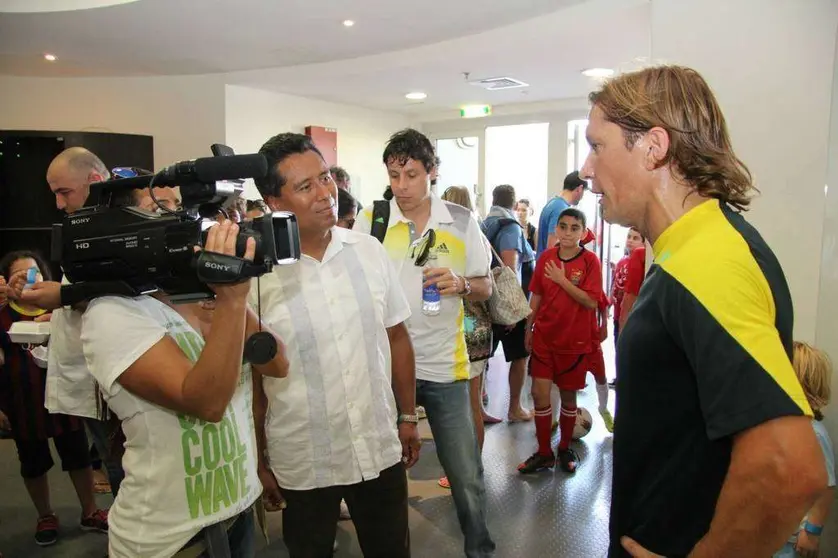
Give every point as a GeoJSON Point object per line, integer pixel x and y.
{"type": "Point", "coordinates": [683, 229]}
{"type": "Point", "coordinates": [439, 213]}
{"type": "Point", "coordinates": [340, 236]}
{"type": "Point", "coordinates": [345, 236]}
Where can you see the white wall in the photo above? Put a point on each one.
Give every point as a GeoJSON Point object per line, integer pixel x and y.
{"type": "Point", "coordinates": [826, 337]}
{"type": "Point", "coordinates": [254, 115]}
{"type": "Point", "coordinates": [184, 114]}
{"type": "Point", "coordinates": [774, 83]}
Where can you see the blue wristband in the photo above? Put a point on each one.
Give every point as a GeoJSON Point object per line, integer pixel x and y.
{"type": "Point", "coordinates": [812, 529]}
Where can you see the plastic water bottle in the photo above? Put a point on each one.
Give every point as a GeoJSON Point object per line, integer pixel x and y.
{"type": "Point", "coordinates": [430, 295]}
{"type": "Point", "coordinates": [32, 277]}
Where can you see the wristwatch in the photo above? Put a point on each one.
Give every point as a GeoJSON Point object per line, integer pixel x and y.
{"type": "Point", "coordinates": [812, 529]}
{"type": "Point", "coordinates": [413, 419]}
{"type": "Point", "coordinates": [466, 287]}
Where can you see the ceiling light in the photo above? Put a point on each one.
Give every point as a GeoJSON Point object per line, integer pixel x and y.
{"type": "Point", "coordinates": [348, 23]}
{"type": "Point", "coordinates": [50, 57]}
{"type": "Point", "coordinates": [416, 96]}
{"type": "Point", "coordinates": [598, 72]}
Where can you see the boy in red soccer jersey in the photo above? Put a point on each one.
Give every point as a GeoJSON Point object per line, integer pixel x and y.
{"type": "Point", "coordinates": [566, 290]}
{"type": "Point", "coordinates": [597, 365]}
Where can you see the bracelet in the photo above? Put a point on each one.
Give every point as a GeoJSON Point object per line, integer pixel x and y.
{"type": "Point", "coordinates": [413, 419]}
{"type": "Point", "coordinates": [812, 529]}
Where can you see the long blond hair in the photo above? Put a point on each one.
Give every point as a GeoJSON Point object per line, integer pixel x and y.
{"type": "Point", "coordinates": [814, 371]}
{"type": "Point", "coordinates": [678, 100]}
{"type": "Point", "coordinates": [459, 195]}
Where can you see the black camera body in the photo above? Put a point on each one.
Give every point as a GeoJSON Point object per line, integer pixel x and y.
{"type": "Point", "coordinates": [145, 251]}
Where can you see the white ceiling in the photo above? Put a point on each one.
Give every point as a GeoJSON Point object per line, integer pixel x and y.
{"type": "Point", "coordinates": [169, 37]}
{"type": "Point", "coordinates": [34, 6]}
{"type": "Point", "coordinates": [547, 52]}
{"type": "Point", "coordinates": [300, 47]}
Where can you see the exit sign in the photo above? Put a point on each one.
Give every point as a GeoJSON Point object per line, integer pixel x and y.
{"type": "Point", "coordinates": [475, 111]}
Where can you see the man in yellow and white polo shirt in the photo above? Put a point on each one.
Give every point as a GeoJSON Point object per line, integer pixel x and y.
{"type": "Point", "coordinates": [454, 259]}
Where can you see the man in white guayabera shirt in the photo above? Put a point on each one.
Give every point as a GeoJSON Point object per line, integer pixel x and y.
{"type": "Point", "coordinates": [331, 428]}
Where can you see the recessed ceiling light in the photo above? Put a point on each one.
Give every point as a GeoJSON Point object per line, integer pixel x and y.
{"type": "Point", "coordinates": [50, 57]}
{"type": "Point", "coordinates": [598, 72]}
{"type": "Point", "coordinates": [416, 96]}
{"type": "Point", "coordinates": [348, 23]}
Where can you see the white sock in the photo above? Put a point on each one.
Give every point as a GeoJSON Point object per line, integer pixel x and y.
{"type": "Point", "coordinates": [602, 395]}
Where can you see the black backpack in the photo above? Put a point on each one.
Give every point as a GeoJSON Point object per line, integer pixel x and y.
{"type": "Point", "coordinates": [380, 219]}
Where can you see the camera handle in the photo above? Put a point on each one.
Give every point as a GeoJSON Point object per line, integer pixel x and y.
{"type": "Point", "coordinates": [261, 347]}
{"type": "Point", "coordinates": [218, 268]}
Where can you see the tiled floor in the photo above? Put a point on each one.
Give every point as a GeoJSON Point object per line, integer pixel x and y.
{"type": "Point", "coordinates": [549, 514]}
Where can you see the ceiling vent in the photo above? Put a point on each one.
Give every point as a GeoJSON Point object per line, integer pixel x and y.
{"type": "Point", "coordinates": [499, 83]}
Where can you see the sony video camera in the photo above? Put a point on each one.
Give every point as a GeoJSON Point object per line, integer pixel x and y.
{"type": "Point", "coordinates": [119, 248]}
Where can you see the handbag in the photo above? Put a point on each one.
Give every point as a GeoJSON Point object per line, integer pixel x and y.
{"type": "Point", "coordinates": [478, 330]}
{"type": "Point", "coordinates": [508, 304]}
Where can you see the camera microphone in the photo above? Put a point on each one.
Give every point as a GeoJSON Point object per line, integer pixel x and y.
{"type": "Point", "coordinates": [211, 169]}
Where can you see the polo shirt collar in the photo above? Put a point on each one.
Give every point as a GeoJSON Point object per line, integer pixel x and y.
{"type": "Point", "coordinates": [439, 213]}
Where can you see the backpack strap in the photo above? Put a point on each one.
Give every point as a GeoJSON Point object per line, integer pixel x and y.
{"type": "Point", "coordinates": [503, 222]}
{"type": "Point", "coordinates": [380, 219]}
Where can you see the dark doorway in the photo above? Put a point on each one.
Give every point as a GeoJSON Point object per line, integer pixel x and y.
{"type": "Point", "coordinates": [27, 206]}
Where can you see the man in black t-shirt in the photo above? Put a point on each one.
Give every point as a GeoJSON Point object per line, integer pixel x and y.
{"type": "Point", "coordinates": [714, 453]}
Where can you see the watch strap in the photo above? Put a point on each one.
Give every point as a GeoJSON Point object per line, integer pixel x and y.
{"type": "Point", "coordinates": [466, 287]}
{"type": "Point", "coordinates": [812, 529]}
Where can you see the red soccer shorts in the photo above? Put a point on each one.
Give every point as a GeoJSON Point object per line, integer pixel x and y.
{"type": "Point", "coordinates": [567, 371]}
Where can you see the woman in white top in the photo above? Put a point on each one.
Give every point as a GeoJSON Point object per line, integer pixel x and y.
{"type": "Point", "coordinates": [185, 404]}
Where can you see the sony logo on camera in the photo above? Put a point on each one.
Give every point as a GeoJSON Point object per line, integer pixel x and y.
{"type": "Point", "coordinates": [218, 266]}
{"type": "Point", "coordinates": [80, 221]}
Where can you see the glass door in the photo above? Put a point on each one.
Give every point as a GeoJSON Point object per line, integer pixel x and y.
{"type": "Point", "coordinates": [517, 155]}
{"type": "Point", "coordinates": [459, 165]}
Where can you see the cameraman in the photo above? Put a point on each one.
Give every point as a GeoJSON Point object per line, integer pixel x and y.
{"type": "Point", "coordinates": [173, 389]}
{"type": "Point", "coordinates": [185, 406]}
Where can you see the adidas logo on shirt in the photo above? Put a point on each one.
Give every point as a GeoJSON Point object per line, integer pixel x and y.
{"type": "Point", "coordinates": [442, 249]}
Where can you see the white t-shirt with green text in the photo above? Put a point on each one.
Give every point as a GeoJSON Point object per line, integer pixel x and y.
{"type": "Point", "coordinates": [181, 474]}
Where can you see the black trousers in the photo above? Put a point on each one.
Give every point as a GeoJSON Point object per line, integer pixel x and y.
{"type": "Point", "coordinates": [378, 508]}
{"type": "Point", "coordinates": [36, 459]}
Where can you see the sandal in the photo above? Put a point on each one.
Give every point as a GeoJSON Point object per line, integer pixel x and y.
{"type": "Point", "coordinates": [569, 460]}
{"type": "Point", "coordinates": [443, 482]}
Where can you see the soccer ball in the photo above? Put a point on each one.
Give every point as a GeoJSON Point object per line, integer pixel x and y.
{"type": "Point", "coordinates": [583, 423]}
